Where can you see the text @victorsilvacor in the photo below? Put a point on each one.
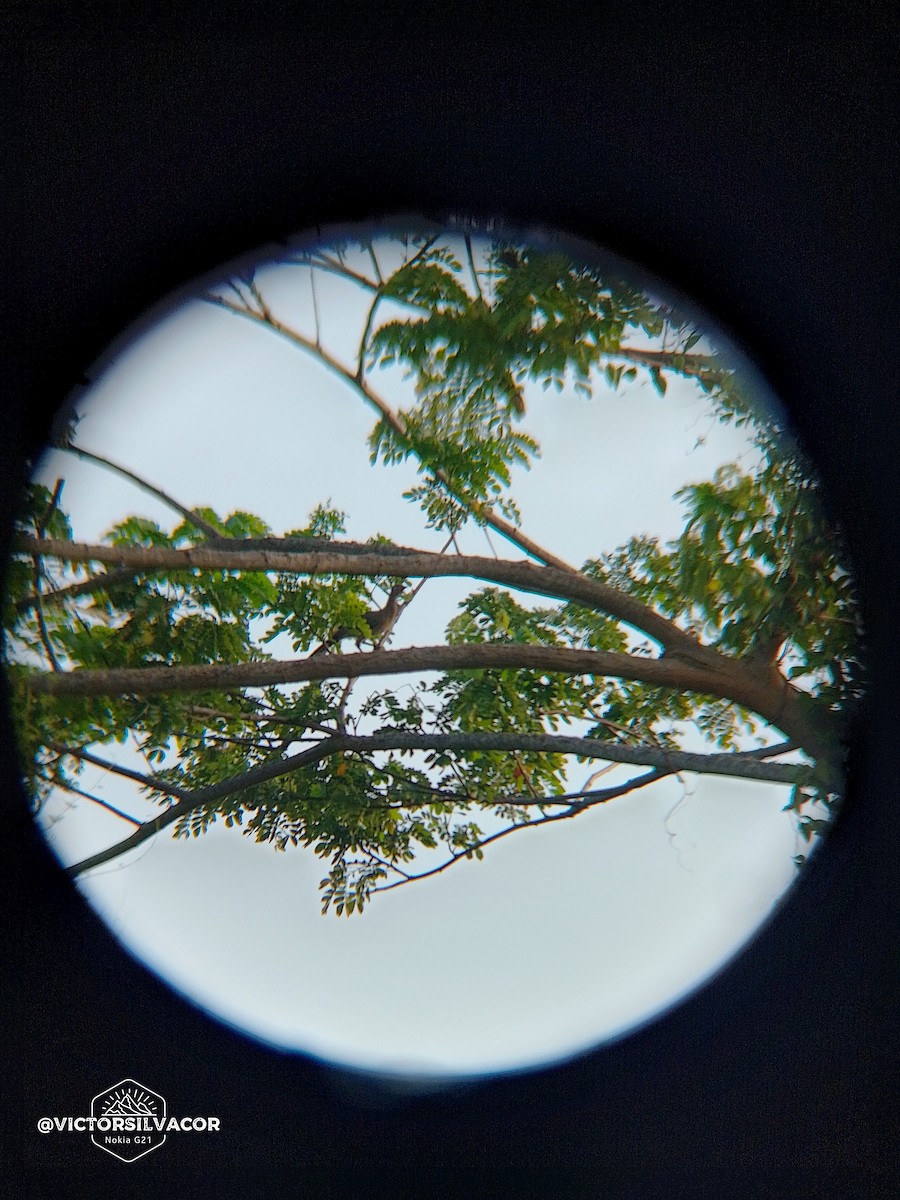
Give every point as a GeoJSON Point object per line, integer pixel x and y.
{"type": "Point", "coordinates": [135, 1124]}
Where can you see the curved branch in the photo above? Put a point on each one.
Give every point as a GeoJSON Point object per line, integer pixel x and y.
{"type": "Point", "coordinates": [773, 699]}
{"type": "Point", "coordinates": [364, 340]}
{"type": "Point", "coordinates": [686, 664]}
{"type": "Point", "coordinates": [599, 797]}
{"type": "Point", "coordinates": [527, 577]}
{"type": "Point", "coordinates": [747, 765]}
{"type": "Point", "coordinates": [472, 269]}
{"type": "Point", "coordinates": [188, 513]}
{"type": "Point", "coordinates": [379, 294]}
{"type": "Point", "coordinates": [689, 364]}
{"type": "Point", "coordinates": [155, 680]}
{"type": "Point", "coordinates": [480, 510]}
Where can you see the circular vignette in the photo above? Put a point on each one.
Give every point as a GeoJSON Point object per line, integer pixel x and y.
{"type": "Point", "coordinates": [663, 657]}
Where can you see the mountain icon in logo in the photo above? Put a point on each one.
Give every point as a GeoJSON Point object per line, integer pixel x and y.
{"type": "Point", "coordinates": [131, 1101]}
{"type": "Point", "coordinates": [129, 1121]}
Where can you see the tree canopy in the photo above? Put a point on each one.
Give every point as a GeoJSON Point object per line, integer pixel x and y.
{"type": "Point", "coordinates": [743, 628]}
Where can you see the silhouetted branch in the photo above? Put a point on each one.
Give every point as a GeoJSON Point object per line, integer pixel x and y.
{"type": "Point", "coordinates": [601, 797]}
{"type": "Point", "coordinates": [747, 765]}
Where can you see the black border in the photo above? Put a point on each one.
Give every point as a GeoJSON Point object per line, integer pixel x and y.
{"type": "Point", "coordinates": [750, 169]}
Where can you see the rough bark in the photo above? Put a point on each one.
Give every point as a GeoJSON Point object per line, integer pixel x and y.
{"type": "Point", "coordinates": [526, 576]}
{"type": "Point", "coordinates": [773, 699]}
{"type": "Point", "coordinates": [686, 664]}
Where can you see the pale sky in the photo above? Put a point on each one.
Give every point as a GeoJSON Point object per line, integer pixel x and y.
{"type": "Point", "coordinates": [561, 937]}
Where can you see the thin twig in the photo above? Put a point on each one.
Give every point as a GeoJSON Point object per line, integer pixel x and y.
{"type": "Point", "coordinates": [315, 305]}
{"type": "Point", "coordinates": [573, 810]}
{"type": "Point", "coordinates": [151, 782]}
{"type": "Point", "coordinates": [188, 513]}
{"type": "Point", "coordinates": [475, 280]}
{"type": "Point", "coordinates": [375, 265]}
{"type": "Point", "coordinates": [324, 262]}
{"type": "Point", "coordinates": [258, 297]}
{"type": "Point", "coordinates": [77, 791]}
{"type": "Point", "coordinates": [37, 573]}
{"type": "Point", "coordinates": [264, 717]}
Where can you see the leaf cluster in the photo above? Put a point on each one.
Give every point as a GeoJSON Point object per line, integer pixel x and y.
{"type": "Point", "coordinates": [537, 318]}
{"type": "Point", "coordinates": [756, 573]}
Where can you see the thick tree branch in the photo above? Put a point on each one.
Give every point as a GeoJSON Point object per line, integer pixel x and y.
{"type": "Point", "coordinates": [686, 664]}
{"type": "Point", "coordinates": [689, 364]}
{"type": "Point", "coordinates": [527, 577]}
{"type": "Point", "coordinates": [739, 764]}
{"type": "Point", "coordinates": [155, 680]}
{"type": "Point", "coordinates": [753, 688]}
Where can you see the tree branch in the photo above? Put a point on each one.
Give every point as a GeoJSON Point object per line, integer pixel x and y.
{"type": "Point", "coordinates": [363, 341]}
{"type": "Point", "coordinates": [209, 795]}
{"type": "Point", "coordinates": [322, 262]}
{"type": "Point", "coordinates": [42, 624]}
{"type": "Point", "coordinates": [527, 577]}
{"type": "Point", "coordinates": [36, 573]}
{"type": "Point", "coordinates": [151, 782]}
{"type": "Point", "coordinates": [155, 680]}
{"type": "Point", "coordinates": [747, 765]}
{"type": "Point", "coordinates": [687, 664]}
{"type": "Point", "coordinates": [690, 364]}
{"type": "Point", "coordinates": [600, 797]}
{"type": "Point", "coordinates": [188, 513]}
{"type": "Point", "coordinates": [472, 270]}
{"type": "Point", "coordinates": [116, 812]}
{"type": "Point", "coordinates": [775, 700]}
{"type": "Point", "coordinates": [374, 262]}
{"type": "Point", "coordinates": [83, 587]}
{"type": "Point", "coordinates": [480, 510]}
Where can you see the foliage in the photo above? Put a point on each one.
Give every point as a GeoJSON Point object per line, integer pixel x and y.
{"type": "Point", "coordinates": [756, 575]}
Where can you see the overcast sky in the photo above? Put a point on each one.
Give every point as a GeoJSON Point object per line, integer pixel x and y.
{"type": "Point", "coordinates": [562, 937]}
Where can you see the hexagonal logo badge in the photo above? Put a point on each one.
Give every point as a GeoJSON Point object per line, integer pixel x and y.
{"type": "Point", "coordinates": [129, 1120]}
